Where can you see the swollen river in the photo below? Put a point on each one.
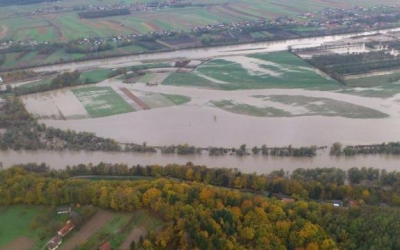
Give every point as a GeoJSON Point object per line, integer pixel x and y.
{"type": "Point", "coordinates": [246, 164]}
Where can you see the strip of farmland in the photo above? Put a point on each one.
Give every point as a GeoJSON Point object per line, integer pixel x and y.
{"type": "Point", "coordinates": [134, 98]}
{"type": "Point", "coordinates": [90, 228]}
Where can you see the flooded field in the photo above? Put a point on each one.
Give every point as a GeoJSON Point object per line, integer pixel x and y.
{"type": "Point", "coordinates": [193, 122]}
{"type": "Point", "coordinates": [276, 99]}
{"type": "Point", "coordinates": [246, 164]}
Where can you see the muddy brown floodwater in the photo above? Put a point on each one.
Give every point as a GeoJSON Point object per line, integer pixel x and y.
{"type": "Point", "coordinates": [246, 164]}
{"type": "Point", "coordinates": [194, 122]}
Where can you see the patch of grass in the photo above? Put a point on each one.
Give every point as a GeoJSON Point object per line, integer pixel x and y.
{"type": "Point", "coordinates": [119, 227]}
{"type": "Point", "coordinates": [151, 66]}
{"type": "Point", "coordinates": [189, 79]}
{"type": "Point", "coordinates": [102, 101]}
{"type": "Point", "coordinates": [15, 222]}
{"type": "Point", "coordinates": [95, 76]}
{"type": "Point", "coordinates": [245, 109]}
{"type": "Point", "coordinates": [372, 81]}
{"type": "Point", "coordinates": [141, 218]}
{"type": "Point", "coordinates": [35, 84]}
{"type": "Point", "coordinates": [132, 49]}
{"type": "Point", "coordinates": [147, 77]}
{"type": "Point", "coordinates": [177, 99]}
{"type": "Point", "coordinates": [382, 86]}
{"type": "Point", "coordinates": [272, 70]}
{"type": "Point", "coordinates": [327, 107]}
{"type": "Point", "coordinates": [10, 60]}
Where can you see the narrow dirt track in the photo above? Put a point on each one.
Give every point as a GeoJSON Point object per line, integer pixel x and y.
{"type": "Point", "coordinates": [90, 228]}
{"type": "Point", "coordinates": [134, 98]}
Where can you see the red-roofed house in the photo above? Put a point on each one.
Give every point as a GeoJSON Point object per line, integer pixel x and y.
{"type": "Point", "coordinates": [66, 229]}
{"type": "Point", "coordinates": [54, 243]}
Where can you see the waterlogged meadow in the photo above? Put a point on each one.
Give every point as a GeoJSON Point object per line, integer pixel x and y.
{"type": "Point", "coordinates": [259, 71]}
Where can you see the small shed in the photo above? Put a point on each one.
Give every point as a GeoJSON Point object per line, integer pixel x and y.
{"type": "Point", "coordinates": [336, 203]}
{"type": "Point", "coordinates": [63, 210]}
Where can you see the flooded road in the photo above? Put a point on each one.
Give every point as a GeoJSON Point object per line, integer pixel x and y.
{"type": "Point", "coordinates": [246, 164]}
{"type": "Point", "coordinates": [204, 53]}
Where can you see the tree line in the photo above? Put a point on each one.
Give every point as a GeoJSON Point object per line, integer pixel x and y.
{"type": "Point", "coordinates": [103, 13]}
{"type": "Point", "coordinates": [367, 186]}
{"type": "Point", "coordinates": [390, 148]}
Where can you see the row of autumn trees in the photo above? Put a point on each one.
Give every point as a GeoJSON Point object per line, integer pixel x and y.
{"type": "Point", "coordinates": [201, 216]}
{"type": "Point", "coordinates": [367, 186]}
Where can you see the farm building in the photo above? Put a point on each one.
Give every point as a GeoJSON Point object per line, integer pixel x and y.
{"type": "Point", "coordinates": [66, 229]}
{"type": "Point", "coordinates": [336, 203]}
{"type": "Point", "coordinates": [105, 246]}
{"type": "Point", "coordinates": [54, 243]}
{"type": "Point", "coordinates": [63, 210]}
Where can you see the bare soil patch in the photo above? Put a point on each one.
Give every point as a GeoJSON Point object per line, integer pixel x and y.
{"type": "Point", "coordinates": [3, 31]}
{"type": "Point", "coordinates": [134, 98]}
{"type": "Point", "coordinates": [90, 228]}
{"type": "Point", "coordinates": [133, 236]}
{"type": "Point", "coordinates": [234, 11]}
{"type": "Point", "coordinates": [58, 31]}
{"type": "Point", "coordinates": [22, 243]}
{"type": "Point", "coordinates": [42, 30]}
{"type": "Point", "coordinates": [122, 26]}
{"type": "Point", "coordinates": [153, 26]}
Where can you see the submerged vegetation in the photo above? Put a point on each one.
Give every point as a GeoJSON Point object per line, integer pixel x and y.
{"type": "Point", "coordinates": [391, 148]}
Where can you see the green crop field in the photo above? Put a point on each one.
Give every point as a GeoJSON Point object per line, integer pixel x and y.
{"type": "Point", "coordinates": [102, 101]}
{"type": "Point", "coordinates": [381, 86]}
{"type": "Point", "coordinates": [15, 222]}
{"type": "Point", "coordinates": [70, 26]}
{"type": "Point", "coordinates": [177, 99]}
{"type": "Point", "coordinates": [95, 76]}
{"type": "Point", "coordinates": [260, 71]}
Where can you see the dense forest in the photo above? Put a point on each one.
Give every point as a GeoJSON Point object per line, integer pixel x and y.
{"type": "Point", "coordinates": [201, 216]}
